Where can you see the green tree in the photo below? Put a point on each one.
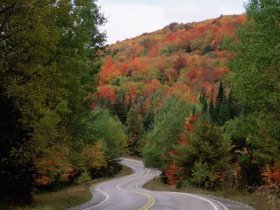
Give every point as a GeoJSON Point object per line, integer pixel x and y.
{"type": "Point", "coordinates": [16, 163]}
{"type": "Point", "coordinates": [110, 132]}
{"type": "Point", "coordinates": [212, 110]}
{"type": "Point", "coordinates": [221, 106]}
{"type": "Point", "coordinates": [239, 132]}
{"type": "Point", "coordinates": [256, 75]}
{"type": "Point", "coordinates": [135, 130]}
{"type": "Point", "coordinates": [200, 173]}
{"type": "Point", "coordinates": [205, 143]}
{"type": "Point", "coordinates": [48, 61]}
{"type": "Point", "coordinates": [165, 134]}
{"type": "Point", "coordinates": [203, 101]}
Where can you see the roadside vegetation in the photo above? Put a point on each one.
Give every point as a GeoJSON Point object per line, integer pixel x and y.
{"type": "Point", "coordinates": [50, 137]}
{"type": "Point", "coordinates": [262, 200]}
{"type": "Point", "coordinates": [67, 197]}
{"type": "Point", "coordinates": [200, 101]}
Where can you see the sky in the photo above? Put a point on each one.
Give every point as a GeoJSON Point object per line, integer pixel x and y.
{"type": "Point", "coordinates": [130, 18]}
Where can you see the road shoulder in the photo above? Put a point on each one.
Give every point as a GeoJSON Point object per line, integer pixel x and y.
{"type": "Point", "coordinates": [156, 185]}
{"type": "Point", "coordinates": [97, 195]}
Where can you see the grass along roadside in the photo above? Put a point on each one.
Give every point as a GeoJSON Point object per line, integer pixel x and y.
{"type": "Point", "coordinates": [259, 201]}
{"type": "Point", "coordinates": [69, 196]}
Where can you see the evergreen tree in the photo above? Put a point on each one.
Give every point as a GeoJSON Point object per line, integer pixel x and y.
{"type": "Point", "coordinates": [168, 125]}
{"type": "Point", "coordinates": [203, 102]}
{"type": "Point", "coordinates": [223, 112]}
{"type": "Point", "coordinates": [219, 99]}
{"type": "Point", "coordinates": [148, 120]}
{"type": "Point", "coordinates": [205, 106]}
{"type": "Point", "coordinates": [233, 106]}
{"type": "Point", "coordinates": [135, 130]}
{"type": "Point", "coordinates": [120, 109]}
{"type": "Point", "coordinates": [220, 113]}
{"type": "Point", "coordinates": [202, 97]}
{"type": "Point", "coordinates": [221, 94]}
{"type": "Point", "coordinates": [193, 110]}
{"type": "Point", "coordinates": [212, 110]}
{"type": "Point", "coordinates": [205, 143]}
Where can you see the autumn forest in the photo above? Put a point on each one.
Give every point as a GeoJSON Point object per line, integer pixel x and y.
{"type": "Point", "coordinates": [198, 101]}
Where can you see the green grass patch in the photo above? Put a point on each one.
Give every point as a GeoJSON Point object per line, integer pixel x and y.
{"type": "Point", "coordinates": [60, 200]}
{"type": "Point", "coordinates": [67, 197]}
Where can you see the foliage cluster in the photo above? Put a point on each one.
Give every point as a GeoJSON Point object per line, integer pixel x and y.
{"type": "Point", "coordinates": [49, 57]}
{"type": "Point", "coordinates": [139, 75]}
{"type": "Point", "coordinates": [231, 137]}
{"type": "Point", "coordinates": [235, 140]}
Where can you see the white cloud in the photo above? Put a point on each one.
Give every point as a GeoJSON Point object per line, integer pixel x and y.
{"type": "Point", "coordinates": [129, 18]}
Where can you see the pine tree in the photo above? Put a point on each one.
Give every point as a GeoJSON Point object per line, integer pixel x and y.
{"type": "Point", "coordinates": [205, 143]}
{"type": "Point", "coordinates": [136, 129]}
{"type": "Point", "coordinates": [205, 106]}
{"type": "Point", "coordinates": [203, 102]}
{"type": "Point", "coordinates": [212, 111]}
{"type": "Point", "coordinates": [193, 110]}
{"type": "Point", "coordinates": [221, 111]}
{"type": "Point", "coordinates": [232, 104]}
{"type": "Point", "coordinates": [220, 97]}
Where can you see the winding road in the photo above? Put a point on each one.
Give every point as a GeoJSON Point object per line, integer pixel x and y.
{"type": "Point", "coordinates": [127, 193]}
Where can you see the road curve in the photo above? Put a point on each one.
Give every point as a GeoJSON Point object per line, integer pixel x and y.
{"type": "Point", "coordinates": [127, 193]}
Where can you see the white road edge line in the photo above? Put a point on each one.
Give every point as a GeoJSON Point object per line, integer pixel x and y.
{"type": "Point", "coordinates": [198, 197]}
{"type": "Point", "coordinates": [188, 194]}
{"type": "Point", "coordinates": [137, 186]}
{"type": "Point", "coordinates": [221, 204]}
{"type": "Point", "coordinates": [106, 195]}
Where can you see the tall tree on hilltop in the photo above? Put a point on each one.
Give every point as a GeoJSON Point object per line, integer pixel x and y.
{"type": "Point", "coordinates": [220, 97]}
{"type": "Point", "coordinates": [212, 110]}
{"type": "Point", "coordinates": [203, 101]}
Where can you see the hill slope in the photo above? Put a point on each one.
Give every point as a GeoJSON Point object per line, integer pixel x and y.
{"type": "Point", "coordinates": [180, 60]}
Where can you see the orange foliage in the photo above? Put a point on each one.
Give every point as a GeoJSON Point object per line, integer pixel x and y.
{"type": "Point", "coordinates": [183, 70]}
{"type": "Point", "coordinates": [95, 155]}
{"type": "Point", "coordinates": [151, 87]}
{"type": "Point", "coordinates": [182, 138]}
{"type": "Point", "coordinates": [52, 166]}
{"type": "Point", "coordinates": [171, 173]}
{"type": "Point", "coordinates": [180, 63]}
{"type": "Point", "coordinates": [69, 171]}
{"type": "Point", "coordinates": [109, 71]}
{"type": "Point", "coordinates": [182, 91]}
{"type": "Point", "coordinates": [189, 121]}
{"type": "Point", "coordinates": [272, 175]}
{"type": "Point", "coordinates": [106, 92]}
{"type": "Point", "coordinates": [132, 91]}
{"type": "Point", "coordinates": [219, 176]}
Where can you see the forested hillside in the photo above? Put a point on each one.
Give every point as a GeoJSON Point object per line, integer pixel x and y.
{"type": "Point", "coordinates": [166, 79]}
{"type": "Point", "coordinates": [180, 60]}
{"type": "Point", "coordinates": [199, 100]}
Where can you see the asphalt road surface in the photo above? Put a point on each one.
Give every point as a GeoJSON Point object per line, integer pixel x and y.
{"type": "Point", "coordinates": [127, 193]}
